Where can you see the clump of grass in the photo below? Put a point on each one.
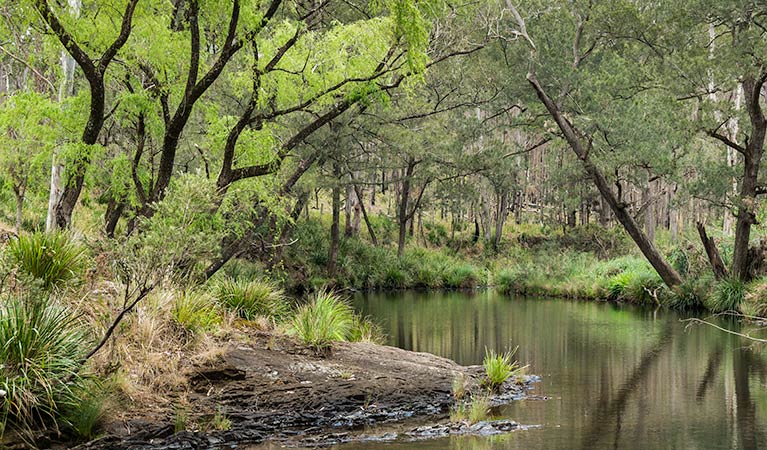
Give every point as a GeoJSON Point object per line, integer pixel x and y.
{"type": "Point", "coordinates": [196, 312]}
{"type": "Point", "coordinates": [325, 319]}
{"type": "Point", "coordinates": [476, 410]}
{"type": "Point", "coordinates": [252, 299]}
{"type": "Point", "coordinates": [499, 367]}
{"type": "Point", "coordinates": [461, 276]}
{"type": "Point", "coordinates": [690, 294]}
{"type": "Point", "coordinates": [85, 417]}
{"type": "Point", "coordinates": [41, 346]}
{"type": "Point", "coordinates": [460, 386]}
{"type": "Point", "coordinates": [220, 421]}
{"type": "Point", "coordinates": [617, 284]}
{"type": "Point", "coordinates": [727, 296]}
{"type": "Point", "coordinates": [363, 329]}
{"type": "Point", "coordinates": [643, 288]}
{"type": "Point", "coordinates": [180, 418]}
{"type": "Point", "coordinates": [755, 303]}
{"type": "Point", "coordinates": [510, 281]}
{"type": "Point", "coordinates": [51, 258]}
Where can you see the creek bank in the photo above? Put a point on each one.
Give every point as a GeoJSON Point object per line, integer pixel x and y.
{"type": "Point", "coordinates": [272, 388]}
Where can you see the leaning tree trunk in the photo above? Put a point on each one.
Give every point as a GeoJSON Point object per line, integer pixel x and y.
{"type": "Point", "coordinates": [573, 137]}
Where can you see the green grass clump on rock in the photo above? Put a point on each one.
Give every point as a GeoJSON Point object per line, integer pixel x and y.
{"type": "Point", "coordinates": [499, 367]}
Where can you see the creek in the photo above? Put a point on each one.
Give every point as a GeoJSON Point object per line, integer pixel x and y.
{"type": "Point", "coordinates": [615, 376]}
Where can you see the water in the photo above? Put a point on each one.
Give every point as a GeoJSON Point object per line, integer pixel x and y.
{"type": "Point", "coordinates": [617, 377]}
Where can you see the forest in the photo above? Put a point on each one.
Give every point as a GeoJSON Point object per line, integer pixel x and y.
{"type": "Point", "coordinates": [180, 177]}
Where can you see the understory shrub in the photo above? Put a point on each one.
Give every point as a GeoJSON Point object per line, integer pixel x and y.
{"type": "Point", "coordinates": [461, 276]}
{"type": "Point", "coordinates": [690, 294]}
{"type": "Point", "coordinates": [41, 346]}
{"type": "Point", "coordinates": [636, 286]}
{"type": "Point", "coordinates": [252, 299]}
{"type": "Point", "coordinates": [51, 258]}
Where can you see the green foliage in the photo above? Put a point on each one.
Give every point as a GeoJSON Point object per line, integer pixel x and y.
{"type": "Point", "coordinates": [755, 303]}
{"type": "Point", "coordinates": [498, 367]}
{"type": "Point", "coordinates": [364, 329]}
{"type": "Point", "coordinates": [52, 258]}
{"type": "Point", "coordinates": [196, 312]}
{"type": "Point", "coordinates": [325, 319]}
{"type": "Point", "coordinates": [182, 236]}
{"type": "Point", "coordinates": [252, 299]}
{"type": "Point", "coordinates": [473, 411]}
{"type": "Point", "coordinates": [41, 346]}
{"type": "Point", "coordinates": [89, 411]}
{"type": "Point", "coordinates": [461, 276]}
{"type": "Point", "coordinates": [690, 294]}
{"type": "Point", "coordinates": [727, 296]}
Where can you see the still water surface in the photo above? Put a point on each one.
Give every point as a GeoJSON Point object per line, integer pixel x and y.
{"type": "Point", "coordinates": [617, 377]}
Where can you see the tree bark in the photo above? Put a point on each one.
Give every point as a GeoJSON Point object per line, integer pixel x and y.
{"type": "Point", "coordinates": [752, 156]}
{"type": "Point", "coordinates": [371, 232]}
{"type": "Point", "coordinates": [714, 258]}
{"type": "Point", "coordinates": [500, 218]}
{"type": "Point", "coordinates": [334, 228]}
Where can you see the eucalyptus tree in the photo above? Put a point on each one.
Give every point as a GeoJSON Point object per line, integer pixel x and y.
{"type": "Point", "coordinates": [93, 44]}
{"type": "Point", "coordinates": [732, 35]}
{"type": "Point", "coordinates": [598, 89]}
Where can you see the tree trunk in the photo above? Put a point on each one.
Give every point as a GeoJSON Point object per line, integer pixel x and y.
{"type": "Point", "coordinates": [402, 211]}
{"type": "Point", "coordinates": [112, 216]}
{"type": "Point", "coordinates": [661, 266]}
{"type": "Point", "coordinates": [66, 89]}
{"type": "Point", "coordinates": [348, 207]}
{"type": "Point", "coordinates": [754, 149]}
{"type": "Point", "coordinates": [334, 228]}
{"type": "Point", "coordinates": [365, 216]}
{"type": "Point", "coordinates": [500, 218]}
{"type": "Point", "coordinates": [714, 258]}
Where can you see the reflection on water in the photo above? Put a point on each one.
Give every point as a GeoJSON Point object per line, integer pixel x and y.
{"type": "Point", "coordinates": [618, 377]}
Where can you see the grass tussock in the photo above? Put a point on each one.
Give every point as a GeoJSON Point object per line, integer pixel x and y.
{"type": "Point", "coordinates": [499, 367]}
{"type": "Point", "coordinates": [52, 259]}
{"type": "Point", "coordinates": [328, 318]}
{"type": "Point", "coordinates": [41, 346]}
{"type": "Point", "coordinates": [728, 295]}
{"type": "Point", "coordinates": [252, 299]}
{"type": "Point", "coordinates": [475, 410]}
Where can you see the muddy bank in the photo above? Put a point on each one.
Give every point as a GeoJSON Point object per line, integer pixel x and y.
{"type": "Point", "coordinates": [274, 389]}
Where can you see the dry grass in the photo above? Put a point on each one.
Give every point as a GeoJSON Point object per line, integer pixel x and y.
{"type": "Point", "coordinates": [151, 354]}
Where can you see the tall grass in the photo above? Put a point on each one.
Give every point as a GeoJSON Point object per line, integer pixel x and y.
{"type": "Point", "coordinates": [325, 319]}
{"type": "Point", "coordinates": [52, 258]}
{"type": "Point", "coordinates": [499, 367]}
{"type": "Point", "coordinates": [328, 318]}
{"type": "Point", "coordinates": [727, 296]}
{"type": "Point", "coordinates": [196, 312]}
{"type": "Point", "coordinates": [252, 299]}
{"type": "Point", "coordinates": [41, 345]}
